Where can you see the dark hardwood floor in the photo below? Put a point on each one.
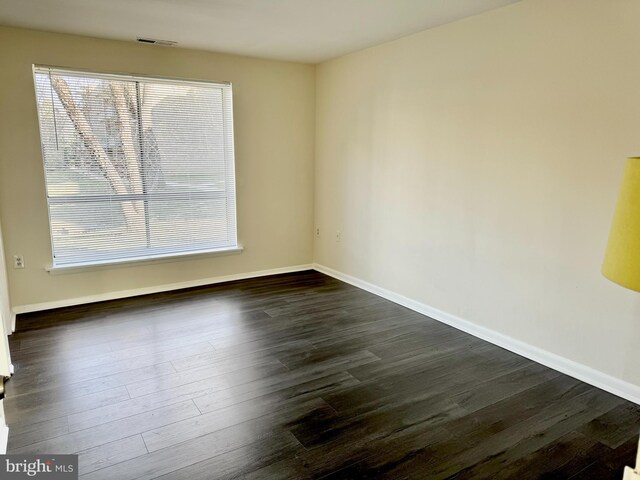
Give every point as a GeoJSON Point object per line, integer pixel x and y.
{"type": "Point", "coordinates": [298, 376]}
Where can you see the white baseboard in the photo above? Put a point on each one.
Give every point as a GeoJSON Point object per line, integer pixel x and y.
{"type": "Point", "coordinates": [35, 307]}
{"type": "Point", "coordinates": [577, 370]}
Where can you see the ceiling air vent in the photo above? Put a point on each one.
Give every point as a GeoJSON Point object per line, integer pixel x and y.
{"type": "Point", "coordinates": [155, 41]}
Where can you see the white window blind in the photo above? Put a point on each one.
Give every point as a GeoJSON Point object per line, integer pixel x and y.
{"type": "Point", "coordinates": [135, 167]}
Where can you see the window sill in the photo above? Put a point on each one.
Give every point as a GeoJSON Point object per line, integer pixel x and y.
{"type": "Point", "coordinates": [140, 261]}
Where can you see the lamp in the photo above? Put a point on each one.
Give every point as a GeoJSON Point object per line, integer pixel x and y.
{"type": "Point", "coordinates": [622, 258]}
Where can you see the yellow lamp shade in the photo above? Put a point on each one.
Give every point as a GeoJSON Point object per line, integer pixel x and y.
{"type": "Point", "coordinates": [622, 259]}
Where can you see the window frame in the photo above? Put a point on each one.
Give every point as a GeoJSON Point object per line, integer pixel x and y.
{"type": "Point", "coordinates": [228, 139]}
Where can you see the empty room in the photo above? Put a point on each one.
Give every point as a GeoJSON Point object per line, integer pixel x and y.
{"type": "Point", "coordinates": [319, 239]}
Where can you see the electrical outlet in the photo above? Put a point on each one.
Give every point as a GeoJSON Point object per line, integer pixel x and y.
{"type": "Point", "coordinates": [338, 236]}
{"type": "Point", "coordinates": [18, 261]}
{"type": "Point", "coordinates": [318, 232]}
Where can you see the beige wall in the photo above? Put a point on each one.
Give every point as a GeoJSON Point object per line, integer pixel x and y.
{"type": "Point", "coordinates": [274, 129]}
{"type": "Point", "coordinates": [474, 168]}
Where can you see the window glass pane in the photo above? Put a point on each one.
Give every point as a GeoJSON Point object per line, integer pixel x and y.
{"type": "Point", "coordinates": [188, 223]}
{"type": "Point", "coordinates": [88, 231]}
{"type": "Point", "coordinates": [183, 131]}
{"type": "Point", "coordinates": [134, 166]}
{"type": "Point", "coordinates": [88, 147]}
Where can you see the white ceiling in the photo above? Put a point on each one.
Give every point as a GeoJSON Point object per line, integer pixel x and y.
{"type": "Point", "coordinates": [298, 30]}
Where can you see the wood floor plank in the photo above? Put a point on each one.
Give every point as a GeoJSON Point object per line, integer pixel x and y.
{"type": "Point", "coordinates": [254, 435]}
{"type": "Point", "coordinates": [428, 412]}
{"type": "Point", "coordinates": [233, 464]}
{"type": "Point", "coordinates": [278, 393]}
{"type": "Point", "coordinates": [38, 432]}
{"type": "Point", "coordinates": [109, 432]}
{"type": "Point", "coordinates": [493, 453]}
{"type": "Point", "coordinates": [57, 407]}
{"type": "Point", "coordinates": [274, 393]}
{"type": "Point", "coordinates": [286, 469]}
{"type": "Point", "coordinates": [563, 458]}
{"type": "Point", "coordinates": [297, 376]}
{"type": "Point", "coordinates": [616, 426]}
{"type": "Point", "coordinates": [38, 393]}
{"type": "Point", "coordinates": [113, 362]}
{"type": "Point", "coordinates": [243, 354]}
{"type": "Point", "coordinates": [368, 458]}
{"type": "Point", "coordinates": [246, 413]}
{"type": "Point", "coordinates": [109, 454]}
{"type": "Point", "coordinates": [221, 374]}
{"type": "Point", "coordinates": [625, 454]}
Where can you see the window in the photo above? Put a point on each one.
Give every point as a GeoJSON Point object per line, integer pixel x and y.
{"type": "Point", "coordinates": [135, 167]}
